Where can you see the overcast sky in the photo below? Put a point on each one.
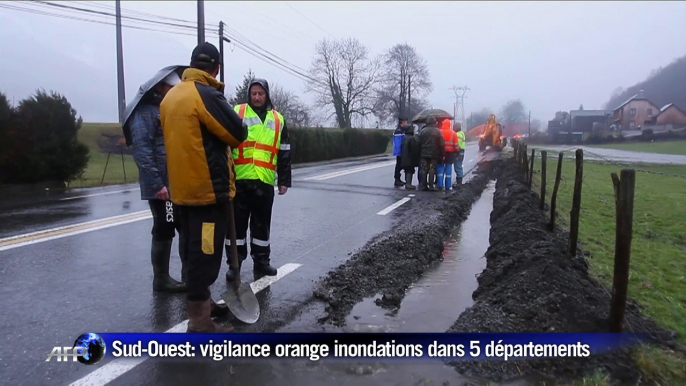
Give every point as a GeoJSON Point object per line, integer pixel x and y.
{"type": "Point", "coordinates": [551, 55]}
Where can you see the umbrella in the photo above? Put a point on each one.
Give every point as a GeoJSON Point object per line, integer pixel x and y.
{"type": "Point", "coordinates": [436, 113]}
{"type": "Point", "coordinates": [145, 87]}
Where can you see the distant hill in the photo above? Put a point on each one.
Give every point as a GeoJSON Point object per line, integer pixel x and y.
{"type": "Point", "coordinates": [666, 85]}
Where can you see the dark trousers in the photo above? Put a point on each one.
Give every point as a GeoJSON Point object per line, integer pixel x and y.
{"type": "Point", "coordinates": [202, 230]}
{"type": "Point", "coordinates": [252, 207]}
{"type": "Point", "coordinates": [164, 220]}
{"type": "Point", "coordinates": [398, 167]}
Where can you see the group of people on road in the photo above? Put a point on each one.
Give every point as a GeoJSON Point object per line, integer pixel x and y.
{"type": "Point", "coordinates": [196, 155]}
{"type": "Point", "coordinates": [434, 151]}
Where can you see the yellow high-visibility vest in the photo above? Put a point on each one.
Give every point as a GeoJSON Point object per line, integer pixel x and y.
{"type": "Point", "coordinates": [255, 158]}
{"type": "Point", "coordinates": [460, 139]}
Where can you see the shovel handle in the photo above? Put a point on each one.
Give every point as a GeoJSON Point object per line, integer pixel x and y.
{"type": "Point", "coordinates": [232, 236]}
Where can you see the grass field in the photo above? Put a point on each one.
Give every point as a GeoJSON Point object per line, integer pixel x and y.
{"type": "Point", "coordinates": [665, 147]}
{"type": "Point", "coordinates": [89, 134]}
{"type": "Point", "coordinates": [658, 269]}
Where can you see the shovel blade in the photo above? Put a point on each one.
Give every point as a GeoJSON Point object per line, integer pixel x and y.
{"type": "Point", "coordinates": [242, 303]}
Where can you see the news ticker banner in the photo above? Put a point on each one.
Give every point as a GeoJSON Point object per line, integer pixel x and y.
{"type": "Point", "coordinates": [90, 348]}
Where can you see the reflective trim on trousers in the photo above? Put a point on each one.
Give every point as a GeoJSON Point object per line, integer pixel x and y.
{"type": "Point", "coordinates": [239, 242]}
{"type": "Point", "coordinates": [259, 243]}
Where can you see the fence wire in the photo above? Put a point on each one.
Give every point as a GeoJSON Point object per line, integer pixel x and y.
{"type": "Point", "coordinates": [600, 197]}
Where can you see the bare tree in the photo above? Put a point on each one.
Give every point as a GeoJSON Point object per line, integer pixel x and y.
{"type": "Point", "coordinates": [295, 111]}
{"type": "Point", "coordinates": [404, 84]}
{"type": "Point", "coordinates": [343, 78]}
{"type": "Point", "coordinates": [513, 113]}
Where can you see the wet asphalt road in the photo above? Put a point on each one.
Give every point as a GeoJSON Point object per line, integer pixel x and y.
{"type": "Point", "coordinates": [99, 279]}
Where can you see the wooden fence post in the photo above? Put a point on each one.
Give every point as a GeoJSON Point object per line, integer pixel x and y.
{"type": "Point", "coordinates": [531, 168]}
{"type": "Point", "coordinates": [553, 200]}
{"type": "Point", "coordinates": [624, 201]}
{"type": "Point", "coordinates": [576, 202]}
{"type": "Point", "coordinates": [544, 155]}
{"type": "Point", "coordinates": [525, 164]}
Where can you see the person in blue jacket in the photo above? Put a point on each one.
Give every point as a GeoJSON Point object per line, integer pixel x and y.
{"type": "Point", "coordinates": [398, 136]}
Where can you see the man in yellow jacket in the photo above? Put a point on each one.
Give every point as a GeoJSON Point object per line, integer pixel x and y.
{"type": "Point", "coordinates": [200, 128]}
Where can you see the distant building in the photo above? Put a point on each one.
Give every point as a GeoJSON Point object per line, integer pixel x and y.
{"type": "Point", "coordinates": [635, 113]}
{"type": "Point", "coordinates": [584, 121]}
{"type": "Point", "coordinates": [670, 115]}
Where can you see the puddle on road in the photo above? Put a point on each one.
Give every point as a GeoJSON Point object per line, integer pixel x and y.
{"type": "Point", "coordinates": [432, 304]}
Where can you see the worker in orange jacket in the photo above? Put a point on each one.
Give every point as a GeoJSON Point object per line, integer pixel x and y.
{"type": "Point", "coordinates": [444, 169]}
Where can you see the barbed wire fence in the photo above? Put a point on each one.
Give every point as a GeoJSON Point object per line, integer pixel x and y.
{"type": "Point", "coordinates": [615, 208]}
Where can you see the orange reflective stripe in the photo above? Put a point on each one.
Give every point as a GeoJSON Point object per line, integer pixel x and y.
{"type": "Point", "coordinates": [265, 165]}
{"type": "Point", "coordinates": [241, 111]}
{"type": "Point", "coordinates": [243, 145]}
{"type": "Point", "coordinates": [261, 146]}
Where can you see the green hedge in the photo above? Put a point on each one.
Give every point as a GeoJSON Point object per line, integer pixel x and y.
{"type": "Point", "coordinates": [323, 144]}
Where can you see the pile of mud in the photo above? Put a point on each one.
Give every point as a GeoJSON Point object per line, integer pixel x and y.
{"type": "Point", "coordinates": [390, 263]}
{"type": "Point", "coordinates": [531, 284]}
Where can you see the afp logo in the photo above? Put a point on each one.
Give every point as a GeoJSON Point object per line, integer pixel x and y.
{"type": "Point", "coordinates": [88, 349]}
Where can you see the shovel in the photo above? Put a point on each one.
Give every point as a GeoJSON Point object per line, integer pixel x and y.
{"type": "Point", "coordinates": [240, 298]}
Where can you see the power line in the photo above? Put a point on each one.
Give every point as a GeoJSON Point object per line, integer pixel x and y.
{"type": "Point", "coordinates": [69, 17]}
{"type": "Point", "coordinates": [308, 19]}
{"type": "Point", "coordinates": [242, 42]}
{"type": "Point", "coordinates": [139, 13]}
{"type": "Point", "coordinates": [103, 13]}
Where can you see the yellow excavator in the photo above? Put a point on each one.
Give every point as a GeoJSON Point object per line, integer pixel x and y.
{"type": "Point", "coordinates": [492, 135]}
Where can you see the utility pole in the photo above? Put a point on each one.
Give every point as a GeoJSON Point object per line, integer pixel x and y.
{"type": "Point", "coordinates": [529, 124]}
{"type": "Point", "coordinates": [201, 22]}
{"type": "Point", "coordinates": [459, 101]}
{"type": "Point", "coordinates": [221, 51]}
{"type": "Point", "coordinates": [121, 91]}
{"type": "Point", "coordinates": [222, 39]}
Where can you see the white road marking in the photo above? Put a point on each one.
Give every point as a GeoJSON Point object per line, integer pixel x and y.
{"type": "Point", "coordinates": [266, 281]}
{"type": "Point", "coordinates": [118, 367]}
{"type": "Point", "coordinates": [100, 194]}
{"type": "Point", "coordinates": [71, 230]}
{"type": "Point", "coordinates": [391, 208]}
{"type": "Point", "coordinates": [327, 176]}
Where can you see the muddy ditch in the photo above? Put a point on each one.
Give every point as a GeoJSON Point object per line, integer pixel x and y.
{"type": "Point", "coordinates": [397, 259]}
{"type": "Point", "coordinates": [530, 284]}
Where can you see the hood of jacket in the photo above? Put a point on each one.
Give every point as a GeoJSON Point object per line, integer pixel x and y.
{"type": "Point", "coordinates": [268, 103]}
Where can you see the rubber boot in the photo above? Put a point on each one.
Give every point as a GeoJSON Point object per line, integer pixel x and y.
{"type": "Point", "coordinates": [160, 254]}
{"type": "Point", "coordinates": [217, 309]}
{"type": "Point", "coordinates": [432, 178]}
{"type": "Point", "coordinates": [458, 181]}
{"type": "Point", "coordinates": [422, 182]}
{"type": "Point", "coordinates": [398, 182]}
{"type": "Point", "coordinates": [408, 182]}
{"type": "Point", "coordinates": [199, 319]}
{"type": "Point", "coordinates": [261, 266]}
